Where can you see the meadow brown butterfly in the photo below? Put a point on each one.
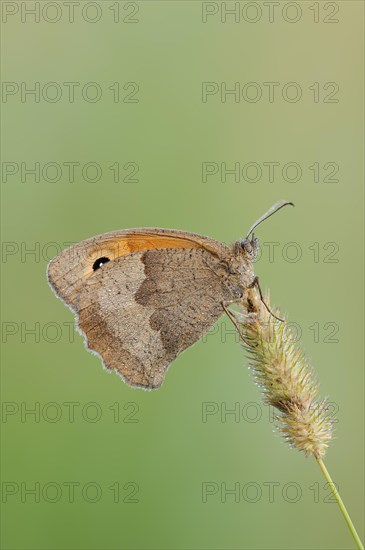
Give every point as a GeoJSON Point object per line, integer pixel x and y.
{"type": "Point", "coordinates": [142, 296]}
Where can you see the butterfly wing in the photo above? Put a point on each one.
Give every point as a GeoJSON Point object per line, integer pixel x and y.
{"type": "Point", "coordinates": [68, 272]}
{"type": "Point", "coordinates": [144, 307]}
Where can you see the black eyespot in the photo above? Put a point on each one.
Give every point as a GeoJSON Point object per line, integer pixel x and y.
{"type": "Point", "coordinates": [99, 262]}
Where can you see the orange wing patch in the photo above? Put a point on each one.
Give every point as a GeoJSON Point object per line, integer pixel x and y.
{"type": "Point", "coordinates": [127, 244]}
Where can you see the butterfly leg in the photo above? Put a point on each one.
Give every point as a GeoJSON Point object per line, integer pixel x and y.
{"type": "Point", "coordinates": [234, 320]}
{"type": "Point", "coordinates": [256, 283]}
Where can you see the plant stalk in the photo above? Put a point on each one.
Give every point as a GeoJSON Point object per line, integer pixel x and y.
{"type": "Point", "coordinates": [339, 500]}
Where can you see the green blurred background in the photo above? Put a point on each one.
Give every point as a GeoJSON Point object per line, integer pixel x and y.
{"type": "Point", "coordinates": [151, 451]}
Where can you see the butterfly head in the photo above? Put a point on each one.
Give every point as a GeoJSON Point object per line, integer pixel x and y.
{"type": "Point", "coordinates": [250, 248]}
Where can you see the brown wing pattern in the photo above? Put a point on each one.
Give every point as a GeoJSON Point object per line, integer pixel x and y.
{"type": "Point", "coordinates": [155, 294]}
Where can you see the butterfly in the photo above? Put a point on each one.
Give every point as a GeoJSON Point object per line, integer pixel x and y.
{"type": "Point", "coordinates": [142, 296]}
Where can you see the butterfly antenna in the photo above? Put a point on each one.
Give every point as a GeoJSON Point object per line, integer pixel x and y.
{"type": "Point", "coordinates": [277, 206]}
